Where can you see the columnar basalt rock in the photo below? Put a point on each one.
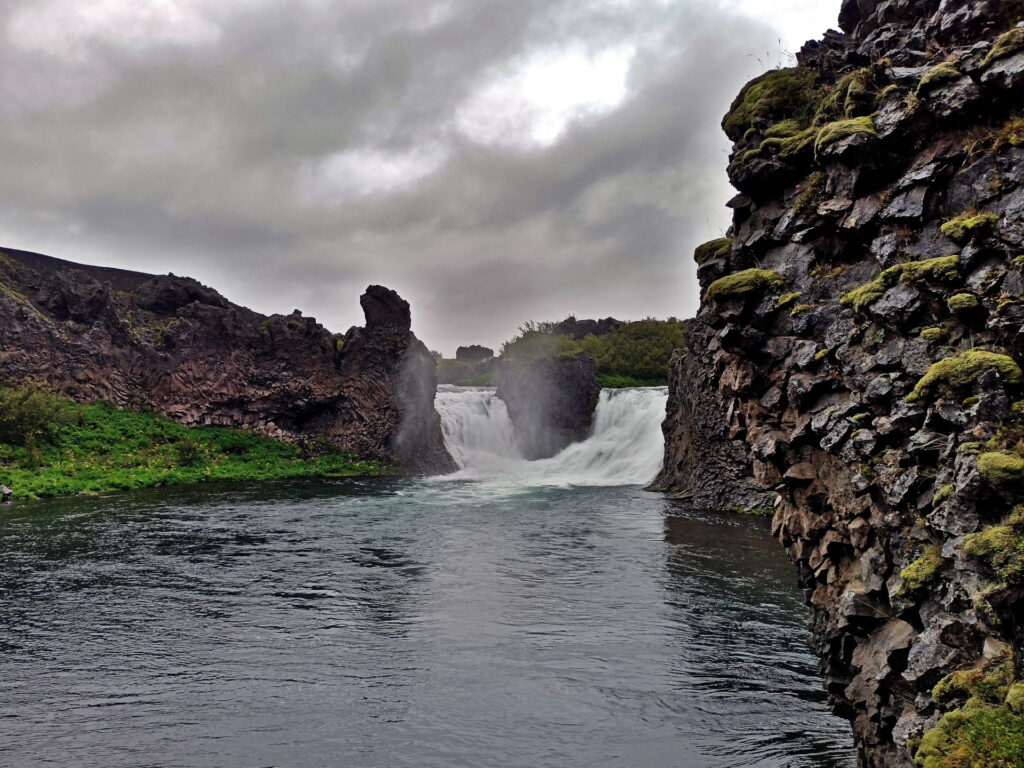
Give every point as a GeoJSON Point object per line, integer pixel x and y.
{"type": "Point", "coordinates": [862, 333]}
{"type": "Point", "coordinates": [551, 401]}
{"type": "Point", "coordinates": [182, 349]}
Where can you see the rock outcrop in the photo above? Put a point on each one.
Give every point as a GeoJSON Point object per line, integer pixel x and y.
{"type": "Point", "coordinates": [860, 336]}
{"type": "Point", "coordinates": [182, 349]}
{"type": "Point", "coordinates": [551, 401]}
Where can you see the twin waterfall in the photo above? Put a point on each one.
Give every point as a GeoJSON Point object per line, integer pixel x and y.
{"type": "Point", "coordinates": [625, 447]}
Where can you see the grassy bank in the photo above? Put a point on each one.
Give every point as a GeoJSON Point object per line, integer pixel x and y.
{"type": "Point", "coordinates": [50, 446]}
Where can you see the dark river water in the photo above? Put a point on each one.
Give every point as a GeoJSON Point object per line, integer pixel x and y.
{"type": "Point", "coordinates": [398, 623]}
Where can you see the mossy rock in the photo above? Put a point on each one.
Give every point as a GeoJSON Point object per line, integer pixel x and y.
{"type": "Point", "coordinates": [713, 249]}
{"type": "Point", "coordinates": [745, 283]}
{"type": "Point", "coordinates": [1000, 468]}
{"type": "Point", "coordinates": [933, 335]}
{"type": "Point", "coordinates": [830, 133]}
{"type": "Point", "coordinates": [787, 298]}
{"type": "Point", "coordinates": [781, 94]}
{"type": "Point", "coordinates": [853, 95]}
{"type": "Point", "coordinates": [964, 369]}
{"type": "Point", "coordinates": [938, 76]}
{"type": "Point", "coordinates": [942, 494]}
{"type": "Point", "coordinates": [942, 269]}
{"type": "Point", "coordinates": [1001, 548]}
{"type": "Point", "coordinates": [963, 304]}
{"type": "Point", "coordinates": [1006, 45]}
{"type": "Point", "coordinates": [921, 573]}
{"type": "Point", "coordinates": [978, 735]}
{"type": "Point", "coordinates": [789, 148]}
{"type": "Point", "coordinates": [969, 225]}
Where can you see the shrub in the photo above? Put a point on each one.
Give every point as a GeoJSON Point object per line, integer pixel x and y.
{"type": "Point", "coordinates": [30, 412]}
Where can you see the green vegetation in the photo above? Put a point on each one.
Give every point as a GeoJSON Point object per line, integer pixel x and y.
{"type": "Point", "coordinates": [921, 573]}
{"type": "Point", "coordinates": [1000, 468]}
{"type": "Point", "coordinates": [782, 93]}
{"type": "Point", "coordinates": [786, 147]}
{"type": "Point", "coordinates": [841, 129]}
{"type": "Point", "coordinates": [1001, 548]}
{"type": "Point", "coordinates": [968, 225]}
{"type": "Point", "coordinates": [963, 303]}
{"type": "Point", "coordinates": [942, 494]}
{"type": "Point", "coordinates": [937, 76]}
{"type": "Point", "coordinates": [787, 298]}
{"type": "Point", "coordinates": [1006, 45]}
{"type": "Point", "coordinates": [30, 413]}
{"type": "Point", "coordinates": [986, 732]}
{"type": "Point", "coordinates": [944, 268]}
{"type": "Point", "coordinates": [97, 448]}
{"type": "Point", "coordinates": [714, 249]}
{"type": "Point", "coordinates": [635, 355]}
{"type": "Point", "coordinates": [854, 95]}
{"type": "Point", "coordinates": [964, 369]}
{"type": "Point", "coordinates": [933, 335]}
{"type": "Point", "coordinates": [745, 283]}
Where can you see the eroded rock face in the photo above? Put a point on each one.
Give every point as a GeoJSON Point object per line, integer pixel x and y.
{"type": "Point", "coordinates": [182, 349]}
{"type": "Point", "coordinates": [814, 375]}
{"type": "Point", "coordinates": [550, 400]}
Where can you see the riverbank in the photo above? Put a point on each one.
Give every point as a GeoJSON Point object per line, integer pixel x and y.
{"type": "Point", "coordinates": [91, 449]}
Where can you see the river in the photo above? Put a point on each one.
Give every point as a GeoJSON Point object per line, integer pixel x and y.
{"type": "Point", "coordinates": [534, 614]}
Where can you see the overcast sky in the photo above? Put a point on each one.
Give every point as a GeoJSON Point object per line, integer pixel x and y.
{"type": "Point", "coordinates": [492, 160]}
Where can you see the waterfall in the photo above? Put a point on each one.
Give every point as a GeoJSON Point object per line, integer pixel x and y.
{"type": "Point", "coordinates": [625, 447]}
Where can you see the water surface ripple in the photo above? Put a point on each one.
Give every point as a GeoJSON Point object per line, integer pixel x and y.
{"type": "Point", "coordinates": [398, 623]}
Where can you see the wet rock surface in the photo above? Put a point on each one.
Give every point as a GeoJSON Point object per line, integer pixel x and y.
{"type": "Point", "coordinates": [893, 250]}
{"type": "Point", "coordinates": [178, 347]}
{"type": "Point", "coordinates": [550, 400]}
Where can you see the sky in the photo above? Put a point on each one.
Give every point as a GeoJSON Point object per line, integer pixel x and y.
{"type": "Point", "coordinates": [494, 161]}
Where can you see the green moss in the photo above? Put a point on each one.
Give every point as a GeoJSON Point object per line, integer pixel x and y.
{"type": "Point", "coordinates": [780, 94]}
{"type": "Point", "coordinates": [933, 335]}
{"type": "Point", "coordinates": [1001, 468]}
{"type": "Point", "coordinates": [957, 685]}
{"type": "Point", "coordinates": [1001, 548]}
{"type": "Point", "coordinates": [821, 355]}
{"type": "Point", "coordinates": [799, 309]}
{"type": "Point", "coordinates": [713, 249]}
{"type": "Point", "coordinates": [979, 735]}
{"type": "Point", "coordinates": [969, 225]}
{"type": "Point", "coordinates": [1006, 45]}
{"type": "Point", "coordinates": [1015, 698]}
{"type": "Point", "coordinates": [784, 129]}
{"type": "Point", "coordinates": [944, 268]}
{"type": "Point", "coordinates": [964, 369]}
{"type": "Point", "coordinates": [745, 283]}
{"type": "Point", "coordinates": [963, 303]}
{"type": "Point", "coordinates": [921, 573]}
{"type": "Point", "coordinates": [942, 494]}
{"type": "Point", "coordinates": [790, 148]}
{"type": "Point", "coordinates": [833, 132]}
{"type": "Point", "coordinates": [787, 298]}
{"type": "Point", "coordinates": [937, 76]}
{"type": "Point", "coordinates": [853, 95]}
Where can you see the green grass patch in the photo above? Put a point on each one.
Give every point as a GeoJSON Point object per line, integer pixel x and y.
{"type": "Point", "coordinates": [98, 448]}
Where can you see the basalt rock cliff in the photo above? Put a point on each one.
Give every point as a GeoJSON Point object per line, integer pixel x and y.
{"type": "Point", "coordinates": [858, 352]}
{"type": "Point", "coordinates": [551, 401]}
{"type": "Point", "coordinates": [173, 345]}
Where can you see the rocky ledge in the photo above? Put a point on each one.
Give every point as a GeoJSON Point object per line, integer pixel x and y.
{"type": "Point", "coordinates": [858, 352]}
{"type": "Point", "coordinates": [551, 401]}
{"type": "Point", "coordinates": [173, 345]}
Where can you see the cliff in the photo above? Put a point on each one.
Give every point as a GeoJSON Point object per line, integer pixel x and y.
{"type": "Point", "coordinates": [858, 351]}
{"type": "Point", "coordinates": [181, 349]}
{"type": "Point", "coordinates": [550, 400]}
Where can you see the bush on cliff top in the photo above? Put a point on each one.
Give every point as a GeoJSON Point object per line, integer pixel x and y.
{"type": "Point", "coordinates": [964, 369]}
{"type": "Point", "coordinates": [745, 283]}
{"type": "Point", "coordinates": [99, 448]}
{"type": "Point", "coordinates": [779, 94]}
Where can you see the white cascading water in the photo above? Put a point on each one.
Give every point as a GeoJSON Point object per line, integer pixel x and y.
{"type": "Point", "coordinates": [625, 448]}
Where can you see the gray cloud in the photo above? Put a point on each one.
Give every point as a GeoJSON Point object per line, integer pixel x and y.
{"type": "Point", "coordinates": [289, 153]}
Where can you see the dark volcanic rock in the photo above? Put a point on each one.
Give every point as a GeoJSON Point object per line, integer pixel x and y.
{"type": "Point", "coordinates": [550, 400]}
{"type": "Point", "coordinates": [474, 354]}
{"type": "Point", "coordinates": [180, 348]}
{"type": "Point", "coordinates": [802, 384]}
